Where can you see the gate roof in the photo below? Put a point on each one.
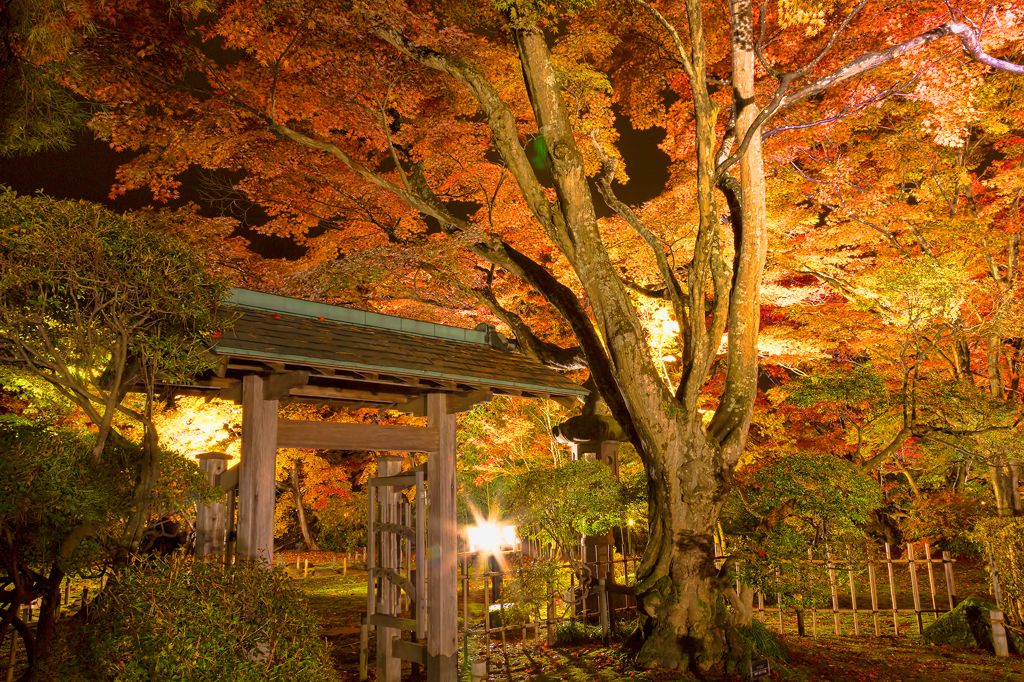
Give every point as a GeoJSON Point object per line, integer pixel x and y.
{"type": "Point", "coordinates": [365, 359]}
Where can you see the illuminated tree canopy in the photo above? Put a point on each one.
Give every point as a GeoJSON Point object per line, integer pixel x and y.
{"type": "Point", "coordinates": [462, 161]}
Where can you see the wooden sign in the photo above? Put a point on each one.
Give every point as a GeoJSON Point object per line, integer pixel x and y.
{"type": "Point", "coordinates": [760, 668]}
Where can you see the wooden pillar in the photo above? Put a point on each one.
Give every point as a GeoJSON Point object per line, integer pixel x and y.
{"type": "Point", "coordinates": [256, 473]}
{"type": "Point", "coordinates": [442, 549]}
{"type": "Point", "coordinates": [389, 668]}
{"type": "Point", "coordinates": [211, 521]}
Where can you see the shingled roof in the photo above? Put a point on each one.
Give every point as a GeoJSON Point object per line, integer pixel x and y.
{"type": "Point", "coordinates": [356, 357]}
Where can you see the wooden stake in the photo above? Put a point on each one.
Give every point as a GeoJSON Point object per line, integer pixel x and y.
{"type": "Point", "coordinates": [947, 567]}
{"type": "Point", "coordinates": [874, 595]}
{"type": "Point", "coordinates": [778, 598]}
{"type": "Point", "coordinates": [832, 587]}
{"type": "Point", "coordinates": [931, 580]}
{"type": "Point", "coordinates": [305, 571]}
{"type": "Point", "coordinates": [892, 591]}
{"type": "Point", "coordinates": [914, 587]}
{"type": "Point", "coordinates": [853, 593]}
{"type": "Point", "coordinates": [814, 609]}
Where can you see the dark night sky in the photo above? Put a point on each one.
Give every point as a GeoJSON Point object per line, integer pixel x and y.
{"type": "Point", "coordinates": [88, 171]}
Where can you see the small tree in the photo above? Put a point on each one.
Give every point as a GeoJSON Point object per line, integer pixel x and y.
{"type": "Point", "coordinates": [100, 305]}
{"type": "Point", "coordinates": [60, 513]}
{"type": "Point", "coordinates": [562, 504]}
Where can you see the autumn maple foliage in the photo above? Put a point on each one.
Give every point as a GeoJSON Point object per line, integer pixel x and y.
{"type": "Point", "coordinates": [463, 156]}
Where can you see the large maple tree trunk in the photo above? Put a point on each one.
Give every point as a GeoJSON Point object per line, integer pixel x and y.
{"type": "Point", "coordinates": [682, 595]}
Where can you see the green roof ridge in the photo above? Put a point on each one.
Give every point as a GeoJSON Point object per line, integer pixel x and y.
{"type": "Point", "coordinates": [272, 303]}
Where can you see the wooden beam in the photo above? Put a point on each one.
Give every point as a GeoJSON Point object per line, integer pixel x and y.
{"type": "Point", "coordinates": [256, 473]}
{"type": "Point", "coordinates": [232, 393]}
{"type": "Point", "coordinates": [409, 651]}
{"type": "Point", "coordinates": [442, 549]}
{"type": "Point", "coordinates": [228, 479]}
{"type": "Point", "coordinates": [417, 407]}
{"type": "Point", "coordinates": [337, 436]}
{"type": "Point", "coordinates": [339, 393]}
{"type": "Point", "coordinates": [465, 402]}
{"type": "Point", "coordinates": [568, 402]}
{"type": "Point", "coordinates": [277, 386]}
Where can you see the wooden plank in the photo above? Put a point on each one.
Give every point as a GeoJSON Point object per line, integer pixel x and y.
{"type": "Point", "coordinates": [442, 549]}
{"type": "Point", "coordinates": [398, 580]}
{"type": "Point", "coordinates": [256, 474]}
{"type": "Point", "coordinates": [464, 402]}
{"type": "Point", "coordinates": [409, 651]}
{"type": "Point", "coordinates": [337, 436]}
{"type": "Point", "coordinates": [340, 393]}
{"type": "Point", "coordinates": [399, 482]}
{"type": "Point", "coordinates": [228, 479]}
{"type": "Point", "coordinates": [397, 528]}
{"type": "Point", "coordinates": [278, 385]}
{"type": "Point", "coordinates": [382, 620]}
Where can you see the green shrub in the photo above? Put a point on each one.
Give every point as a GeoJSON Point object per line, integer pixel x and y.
{"type": "Point", "coordinates": [175, 619]}
{"type": "Point", "coordinates": [1004, 538]}
{"type": "Point", "coordinates": [573, 632]}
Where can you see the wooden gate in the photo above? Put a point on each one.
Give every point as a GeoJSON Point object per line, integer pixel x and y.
{"type": "Point", "coordinates": [395, 565]}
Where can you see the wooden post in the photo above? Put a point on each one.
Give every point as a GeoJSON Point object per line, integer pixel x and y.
{"type": "Point", "coordinates": [931, 580]}
{"type": "Point", "coordinates": [551, 613]}
{"type": "Point", "coordinates": [371, 578]}
{"type": "Point", "coordinates": [874, 595]}
{"type": "Point", "coordinates": [231, 535]}
{"type": "Point", "coordinates": [760, 605]}
{"type": "Point", "coordinates": [67, 591]}
{"type": "Point", "coordinates": [487, 606]}
{"type": "Point", "coordinates": [256, 473]}
{"type": "Point", "coordinates": [892, 592]}
{"type": "Point", "coordinates": [211, 520]}
{"type": "Point", "coordinates": [305, 571]}
{"type": "Point", "coordinates": [814, 609]}
{"type": "Point", "coordinates": [389, 667]}
{"type": "Point", "coordinates": [465, 610]}
{"type": "Point", "coordinates": [442, 547]}
{"type": "Point", "coordinates": [997, 591]}
{"type": "Point", "coordinates": [914, 587]}
{"type": "Point", "coordinates": [364, 647]}
{"type": "Point", "coordinates": [853, 592]}
{"type": "Point", "coordinates": [947, 567]}
{"type": "Point", "coordinates": [778, 599]}
{"type": "Point", "coordinates": [602, 605]}
{"type": "Point", "coordinates": [832, 587]}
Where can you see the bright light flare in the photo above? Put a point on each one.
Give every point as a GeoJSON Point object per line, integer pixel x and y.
{"type": "Point", "coordinates": [490, 537]}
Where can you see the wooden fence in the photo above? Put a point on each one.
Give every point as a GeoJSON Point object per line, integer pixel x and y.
{"type": "Point", "coordinates": [865, 595]}
{"type": "Point", "coordinates": [610, 601]}
{"type": "Point", "coordinates": [882, 586]}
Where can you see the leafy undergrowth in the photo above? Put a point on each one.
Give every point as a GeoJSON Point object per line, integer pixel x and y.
{"type": "Point", "coordinates": [341, 601]}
